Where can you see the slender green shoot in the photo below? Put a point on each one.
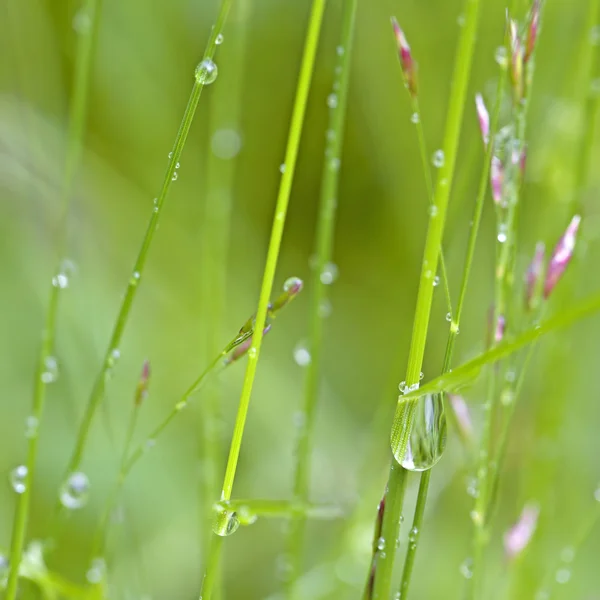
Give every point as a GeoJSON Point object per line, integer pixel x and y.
{"type": "Point", "coordinates": [453, 331]}
{"type": "Point", "coordinates": [221, 164]}
{"type": "Point", "coordinates": [337, 102]}
{"type": "Point", "coordinates": [205, 74]}
{"type": "Point", "coordinates": [384, 561]}
{"type": "Point", "coordinates": [46, 363]}
{"type": "Point", "coordinates": [293, 144]}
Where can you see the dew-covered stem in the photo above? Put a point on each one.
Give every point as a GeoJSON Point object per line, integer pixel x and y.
{"type": "Point", "coordinates": [205, 73]}
{"type": "Point", "coordinates": [454, 330]}
{"type": "Point", "coordinates": [86, 44]}
{"type": "Point", "coordinates": [225, 108]}
{"type": "Point", "coordinates": [281, 206]}
{"type": "Point", "coordinates": [337, 102]}
{"type": "Point", "coordinates": [402, 425]}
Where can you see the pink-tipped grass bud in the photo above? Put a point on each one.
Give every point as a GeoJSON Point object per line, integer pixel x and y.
{"type": "Point", "coordinates": [409, 66]}
{"type": "Point", "coordinates": [497, 179]}
{"type": "Point", "coordinates": [517, 538]}
{"type": "Point", "coordinates": [532, 30]}
{"type": "Point", "coordinates": [516, 61]}
{"type": "Point", "coordinates": [484, 118]}
{"type": "Point", "coordinates": [562, 255]}
{"type": "Point", "coordinates": [141, 391]}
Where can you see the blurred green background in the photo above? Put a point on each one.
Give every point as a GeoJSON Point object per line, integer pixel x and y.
{"type": "Point", "coordinates": [141, 79]}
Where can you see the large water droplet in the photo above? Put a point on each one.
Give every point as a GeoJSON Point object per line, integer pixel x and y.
{"type": "Point", "coordinates": [438, 159]}
{"type": "Point", "coordinates": [206, 72]}
{"type": "Point", "coordinates": [426, 441]}
{"type": "Point", "coordinates": [226, 521]}
{"type": "Point", "coordinates": [292, 283]}
{"type": "Point", "coordinates": [18, 479]}
{"type": "Point", "coordinates": [75, 491]}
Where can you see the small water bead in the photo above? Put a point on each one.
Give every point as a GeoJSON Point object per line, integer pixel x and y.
{"type": "Point", "coordinates": [292, 283]}
{"type": "Point", "coordinates": [466, 568]}
{"type": "Point", "coordinates": [427, 438]}
{"type": "Point", "coordinates": [226, 143]}
{"type": "Point", "coordinates": [507, 397]}
{"type": "Point", "coordinates": [476, 517]}
{"type": "Point", "coordinates": [472, 487]}
{"type": "Point", "coordinates": [252, 353]}
{"type": "Point", "coordinates": [502, 233]}
{"type": "Point", "coordinates": [500, 56]}
{"type": "Point", "coordinates": [414, 118]}
{"type": "Point", "coordinates": [438, 159]}
{"type": "Point", "coordinates": [335, 164]}
{"type": "Point", "coordinates": [436, 281]}
{"type": "Point", "coordinates": [174, 176]}
{"type": "Point", "coordinates": [567, 554]}
{"type": "Point", "coordinates": [170, 155]}
{"type": "Point", "coordinates": [82, 23]}
{"type": "Point", "coordinates": [50, 372]}
{"type": "Point", "coordinates": [113, 357]}
{"type": "Point", "coordinates": [282, 168]}
{"type": "Point", "coordinates": [325, 309]}
{"type": "Point", "coordinates": [412, 536]}
{"type": "Point", "coordinates": [332, 100]}
{"type": "Point", "coordinates": [97, 571]}
{"type": "Point", "coordinates": [454, 328]}
{"type": "Point", "coordinates": [563, 576]}
{"type": "Point", "coordinates": [135, 278]}
{"type": "Point", "coordinates": [381, 543]}
{"type": "Point", "coordinates": [329, 273]}
{"type": "Point", "coordinates": [302, 355]}
{"type": "Point", "coordinates": [402, 387]}
{"type": "Point", "coordinates": [206, 72]}
{"type": "Point", "coordinates": [75, 491]}
{"type": "Point", "coordinates": [18, 479]}
{"type": "Point", "coordinates": [219, 39]}
{"type": "Point", "coordinates": [31, 426]}
{"type": "Point", "coordinates": [226, 521]}
{"type": "Point", "coordinates": [340, 50]}
{"type": "Point", "coordinates": [449, 317]}
{"type": "Point", "coordinates": [60, 281]}
{"type": "Point", "coordinates": [433, 211]}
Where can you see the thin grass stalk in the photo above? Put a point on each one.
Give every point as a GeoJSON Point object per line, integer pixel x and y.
{"type": "Point", "coordinates": [384, 561]}
{"type": "Point", "coordinates": [291, 155]}
{"type": "Point", "coordinates": [225, 115]}
{"type": "Point", "coordinates": [323, 253]}
{"type": "Point", "coordinates": [453, 332]}
{"type": "Point", "coordinates": [504, 278]}
{"type": "Point", "coordinates": [108, 362]}
{"type": "Point", "coordinates": [77, 117]}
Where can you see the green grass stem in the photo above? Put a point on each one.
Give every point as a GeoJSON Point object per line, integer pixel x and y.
{"type": "Point", "coordinates": [402, 425]}
{"type": "Point", "coordinates": [323, 252]}
{"type": "Point", "coordinates": [108, 362]}
{"type": "Point", "coordinates": [77, 118]}
{"type": "Point", "coordinates": [291, 155]}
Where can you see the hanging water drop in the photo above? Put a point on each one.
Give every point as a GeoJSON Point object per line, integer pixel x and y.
{"type": "Point", "coordinates": [329, 273]}
{"type": "Point", "coordinates": [302, 355]}
{"type": "Point", "coordinates": [436, 281]}
{"type": "Point", "coordinates": [438, 159]}
{"type": "Point", "coordinates": [18, 479]}
{"type": "Point", "coordinates": [292, 284]}
{"type": "Point", "coordinates": [466, 568]}
{"type": "Point", "coordinates": [332, 100]}
{"type": "Point", "coordinates": [206, 72]}
{"type": "Point", "coordinates": [75, 491]}
{"type": "Point", "coordinates": [174, 176]}
{"type": "Point", "coordinates": [50, 372]}
{"type": "Point", "coordinates": [433, 211]}
{"type": "Point", "coordinates": [421, 447]}
{"type": "Point", "coordinates": [502, 233]}
{"type": "Point", "coordinates": [219, 39]}
{"type": "Point", "coordinates": [282, 168]}
{"type": "Point", "coordinates": [449, 317]}
{"type": "Point", "coordinates": [500, 56]}
{"type": "Point", "coordinates": [414, 118]}
{"type": "Point", "coordinates": [226, 521]}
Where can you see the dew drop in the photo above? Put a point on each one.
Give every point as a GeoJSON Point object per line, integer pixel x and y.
{"type": "Point", "coordinates": [466, 568]}
{"type": "Point", "coordinates": [502, 233]}
{"type": "Point", "coordinates": [332, 100]}
{"type": "Point", "coordinates": [500, 56]}
{"type": "Point", "coordinates": [252, 353]}
{"type": "Point", "coordinates": [75, 491]}
{"type": "Point", "coordinates": [460, 20]}
{"type": "Point", "coordinates": [82, 23]}
{"type": "Point", "coordinates": [563, 576]}
{"type": "Point", "coordinates": [50, 372]}
{"type": "Point", "coordinates": [135, 278]}
{"type": "Point", "coordinates": [170, 155]}
{"type": "Point", "coordinates": [433, 210]}
{"type": "Point", "coordinates": [436, 281]}
{"type": "Point", "coordinates": [174, 176]}
{"type": "Point", "coordinates": [282, 168]}
{"type": "Point", "coordinates": [381, 543]}
{"type": "Point", "coordinates": [340, 50]}
{"type": "Point", "coordinates": [414, 118]}
{"type": "Point", "coordinates": [31, 426]}
{"type": "Point", "coordinates": [226, 143]}
{"type": "Point", "coordinates": [206, 72]}
{"type": "Point", "coordinates": [335, 164]}
{"type": "Point", "coordinates": [219, 39]}
{"type": "Point", "coordinates": [507, 397]}
{"type": "Point", "coordinates": [18, 479]}
{"type": "Point", "coordinates": [302, 355]}
{"type": "Point", "coordinates": [97, 571]}
{"type": "Point", "coordinates": [226, 521]}
{"type": "Point", "coordinates": [448, 317]}
{"type": "Point", "coordinates": [325, 309]}
{"type": "Point", "coordinates": [412, 536]}
{"type": "Point", "coordinates": [438, 159]}
{"type": "Point", "coordinates": [329, 273]}
{"type": "Point", "coordinates": [60, 281]}
{"type": "Point", "coordinates": [427, 438]}
{"type": "Point", "coordinates": [292, 284]}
